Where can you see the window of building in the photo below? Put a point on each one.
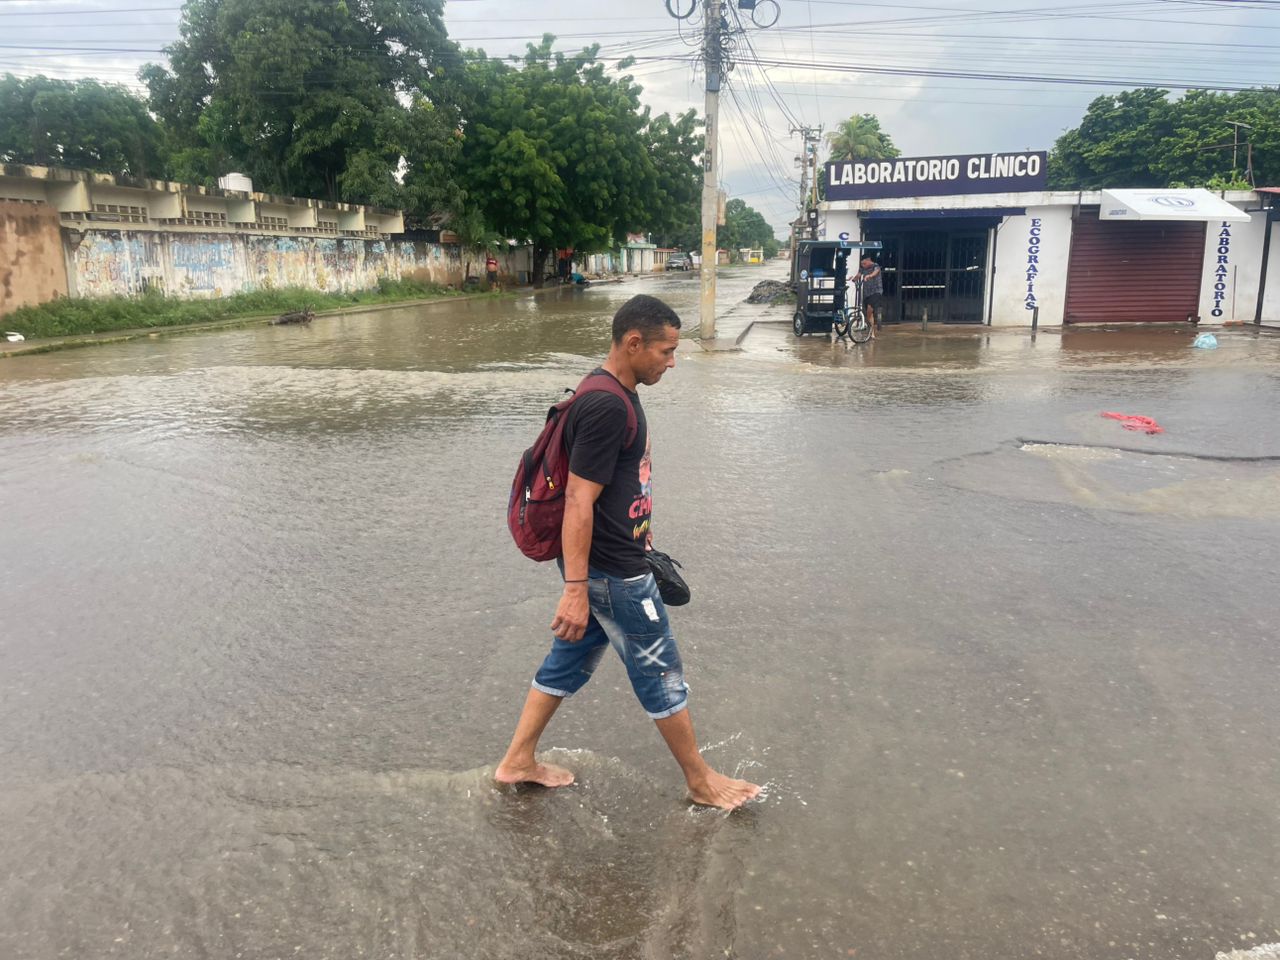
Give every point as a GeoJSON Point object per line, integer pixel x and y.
{"type": "Point", "coordinates": [119, 213]}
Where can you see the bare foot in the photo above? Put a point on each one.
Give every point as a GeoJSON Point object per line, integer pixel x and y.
{"type": "Point", "coordinates": [546, 774]}
{"type": "Point", "coordinates": [723, 792]}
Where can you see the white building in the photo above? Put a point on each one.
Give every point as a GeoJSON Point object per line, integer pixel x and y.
{"type": "Point", "coordinates": [977, 239]}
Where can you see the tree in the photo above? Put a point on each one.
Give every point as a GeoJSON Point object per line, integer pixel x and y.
{"type": "Point", "coordinates": [676, 212]}
{"type": "Point", "coordinates": [1141, 138]}
{"type": "Point", "coordinates": [78, 124]}
{"type": "Point", "coordinates": [860, 138]}
{"type": "Point", "coordinates": [745, 227]}
{"type": "Point", "coordinates": [558, 154]}
{"type": "Point", "coordinates": [314, 97]}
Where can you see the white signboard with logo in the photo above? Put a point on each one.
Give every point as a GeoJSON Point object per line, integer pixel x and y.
{"type": "Point", "coordinates": [1167, 204]}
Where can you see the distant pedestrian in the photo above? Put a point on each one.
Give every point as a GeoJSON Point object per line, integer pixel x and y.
{"type": "Point", "coordinates": [491, 270]}
{"type": "Point", "coordinates": [872, 286]}
{"type": "Point", "coordinates": [610, 597]}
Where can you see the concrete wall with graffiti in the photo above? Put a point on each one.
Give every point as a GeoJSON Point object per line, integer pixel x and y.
{"type": "Point", "coordinates": [128, 263]}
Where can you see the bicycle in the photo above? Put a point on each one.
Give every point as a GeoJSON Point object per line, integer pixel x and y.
{"type": "Point", "coordinates": [851, 321]}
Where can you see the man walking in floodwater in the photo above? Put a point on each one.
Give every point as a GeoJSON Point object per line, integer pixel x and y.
{"type": "Point", "coordinates": [610, 596]}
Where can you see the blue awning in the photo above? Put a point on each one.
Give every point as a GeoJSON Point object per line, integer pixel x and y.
{"type": "Point", "coordinates": [947, 214]}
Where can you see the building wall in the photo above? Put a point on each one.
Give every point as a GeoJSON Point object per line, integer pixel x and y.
{"type": "Point", "coordinates": [1232, 269]}
{"type": "Point", "coordinates": [1031, 258]}
{"type": "Point", "coordinates": [202, 265]}
{"type": "Point", "coordinates": [1271, 301]}
{"type": "Point", "coordinates": [1030, 263]}
{"type": "Point", "coordinates": [1016, 288]}
{"type": "Point", "coordinates": [32, 267]}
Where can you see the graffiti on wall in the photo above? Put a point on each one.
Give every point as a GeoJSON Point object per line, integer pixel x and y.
{"type": "Point", "coordinates": [129, 263]}
{"type": "Point", "coordinates": [204, 266]}
{"type": "Point", "coordinates": [115, 264]}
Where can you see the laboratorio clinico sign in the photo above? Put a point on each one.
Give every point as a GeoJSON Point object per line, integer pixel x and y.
{"type": "Point", "coordinates": [936, 176]}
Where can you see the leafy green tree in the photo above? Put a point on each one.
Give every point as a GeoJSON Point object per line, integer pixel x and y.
{"type": "Point", "coordinates": [559, 154]}
{"type": "Point", "coordinates": [860, 138]}
{"type": "Point", "coordinates": [675, 146]}
{"type": "Point", "coordinates": [315, 97]}
{"type": "Point", "coordinates": [78, 124]}
{"type": "Point", "coordinates": [745, 227]}
{"type": "Point", "coordinates": [1142, 138]}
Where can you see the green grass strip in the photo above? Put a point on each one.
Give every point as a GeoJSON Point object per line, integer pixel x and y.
{"type": "Point", "coordinates": [70, 317]}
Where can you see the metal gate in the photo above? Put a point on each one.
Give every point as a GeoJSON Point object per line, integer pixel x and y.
{"type": "Point", "coordinates": [1133, 271]}
{"type": "Point", "coordinates": [941, 271]}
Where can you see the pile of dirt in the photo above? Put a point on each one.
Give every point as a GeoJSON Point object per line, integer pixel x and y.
{"type": "Point", "coordinates": [771, 291]}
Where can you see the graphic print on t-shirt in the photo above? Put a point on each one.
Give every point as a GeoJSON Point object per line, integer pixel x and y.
{"type": "Point", "coordinates": [642, 506]}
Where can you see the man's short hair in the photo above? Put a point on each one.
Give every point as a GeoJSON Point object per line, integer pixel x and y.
{"type": "Point", "coordinates": [646, 314]}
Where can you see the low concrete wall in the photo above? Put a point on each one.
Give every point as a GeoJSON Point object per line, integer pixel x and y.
{"type": "Point", "coordinates": [128, 263]}
{"type": "Point", "coordinates": [32, 266]}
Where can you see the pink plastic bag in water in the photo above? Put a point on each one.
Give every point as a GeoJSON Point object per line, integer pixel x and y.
{"type": "Point", "coordinates": [1131, 421]}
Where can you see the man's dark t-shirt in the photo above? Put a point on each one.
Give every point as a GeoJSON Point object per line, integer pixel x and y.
{"type": "Point", "coordinates": [594, 435]}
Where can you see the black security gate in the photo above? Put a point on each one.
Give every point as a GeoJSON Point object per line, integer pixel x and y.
{"type": "Point", "coordinates": [942, 271]}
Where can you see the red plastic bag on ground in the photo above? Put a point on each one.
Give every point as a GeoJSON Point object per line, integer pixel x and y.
{"type": "Point", "coordinates": [1131, 421]}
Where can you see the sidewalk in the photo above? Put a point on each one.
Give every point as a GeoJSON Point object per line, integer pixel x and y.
{"type": "Point", "coordinates": [735, 323]}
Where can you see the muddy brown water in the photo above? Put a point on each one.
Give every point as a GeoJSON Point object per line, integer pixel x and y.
{"type": "Point", "coordinates": [1006, 670]}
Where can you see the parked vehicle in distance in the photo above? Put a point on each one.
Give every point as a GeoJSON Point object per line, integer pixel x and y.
{"type": "Point", "coordinates": [680, 261]}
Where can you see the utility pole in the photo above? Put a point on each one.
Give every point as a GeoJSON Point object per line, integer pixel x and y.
{"type": "Point", "coordinates": [812, 138]}
{"type": "Point", "coordinates": [718, 39]}
{"type": "Point", "coordinates": [808, 159]}
{"type": "Point", "coordinates": [710, 189]}
{"type": "Point", "coordinates": [797, 223]}
{"type": "Point", "coordinates": [1235, 142]}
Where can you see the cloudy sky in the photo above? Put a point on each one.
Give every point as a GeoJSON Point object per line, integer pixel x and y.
{"type": "Point", "coordinates": [949, 76]}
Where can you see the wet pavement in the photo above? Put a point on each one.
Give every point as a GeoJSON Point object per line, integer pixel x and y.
{"type": "Point", "coordinates": [1007, 670]}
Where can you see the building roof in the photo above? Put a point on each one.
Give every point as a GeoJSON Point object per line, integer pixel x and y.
{"type": "Point", "coordinates": [72, 175]}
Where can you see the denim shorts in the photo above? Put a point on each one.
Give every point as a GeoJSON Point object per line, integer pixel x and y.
{"type": "Point", "coordinates": [627, 614]}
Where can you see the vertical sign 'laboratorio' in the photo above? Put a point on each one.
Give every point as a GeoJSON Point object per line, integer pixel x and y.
{"type": "Point", "coordinates": [936, 176]}
{"type": "Point", "coordinates": [1222, 269]}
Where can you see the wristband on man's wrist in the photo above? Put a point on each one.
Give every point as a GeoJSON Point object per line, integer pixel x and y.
{"type": "Point", "coordinates": [584, 580]}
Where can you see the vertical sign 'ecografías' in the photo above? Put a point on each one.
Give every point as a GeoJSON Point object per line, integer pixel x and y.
{"type": "Point", "coordinates": [1033, 264]}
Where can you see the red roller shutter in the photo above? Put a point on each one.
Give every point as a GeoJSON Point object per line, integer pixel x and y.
{"type": "Point", "coordinates": [1133, 271]}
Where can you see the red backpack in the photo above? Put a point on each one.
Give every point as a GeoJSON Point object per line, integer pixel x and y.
{"type": "Point", "coordinates": [535, 511]}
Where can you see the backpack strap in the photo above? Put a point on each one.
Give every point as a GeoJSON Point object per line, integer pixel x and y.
{"type": "Point", "coordinates": [605, 383]}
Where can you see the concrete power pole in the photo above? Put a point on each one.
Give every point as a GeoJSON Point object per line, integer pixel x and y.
{"type": "Point", "coordinates": [710, 189]}
{"type": "Point", "coordinates": [808, 159]}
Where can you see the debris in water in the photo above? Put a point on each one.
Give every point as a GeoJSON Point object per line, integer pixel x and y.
{"type": "Point", "coordinates": [1132, 421]}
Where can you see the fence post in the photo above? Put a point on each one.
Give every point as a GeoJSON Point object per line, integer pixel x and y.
{"type": "Point", "coordinates": [1035, 321]}
{"type": "Point", "coordinates": [924, 319]}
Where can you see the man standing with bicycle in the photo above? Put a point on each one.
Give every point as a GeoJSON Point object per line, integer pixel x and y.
{"type": "Point", "coordinates": [872, 289]}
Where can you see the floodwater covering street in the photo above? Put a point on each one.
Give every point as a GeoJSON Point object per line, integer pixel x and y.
{"type": "Point", "coordinates": [1007, 670]}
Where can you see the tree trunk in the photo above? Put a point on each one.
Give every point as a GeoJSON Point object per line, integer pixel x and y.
{"type": "Point", "coordinates": [540, 254]}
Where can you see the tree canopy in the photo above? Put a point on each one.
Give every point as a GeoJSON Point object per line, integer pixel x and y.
{"type": "Point", "coordinates": [78, 124]}
{"type": "Point", "coordinates": [1142, 138]}
{"type": "Point", "coordinates": [745, 227]}
{"type": "Point", "coordinates": [312, 97]}
{"type": "Point", "coordinates": [559, 154]}
{"type": "Point", "coordinates": [860, 138]}
{"type": "Point", "coordinates": [368, 101]}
